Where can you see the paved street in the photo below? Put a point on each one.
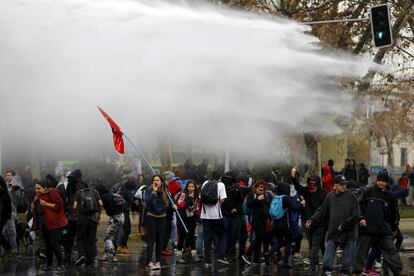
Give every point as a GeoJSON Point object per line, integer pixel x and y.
{"type": "Point", "coordinates": [134, 264]}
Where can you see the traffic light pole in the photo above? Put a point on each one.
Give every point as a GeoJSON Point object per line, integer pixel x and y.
{"type": "Point", "coordinates": [335, 21]}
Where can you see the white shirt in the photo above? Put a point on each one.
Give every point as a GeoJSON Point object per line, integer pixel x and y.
{"type": "Point", "coordinates": [214, 211]}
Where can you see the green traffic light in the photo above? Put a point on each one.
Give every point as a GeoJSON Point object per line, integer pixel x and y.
{"type": "Point", "coordinates": [380, 35]}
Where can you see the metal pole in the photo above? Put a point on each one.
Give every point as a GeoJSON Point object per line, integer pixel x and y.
{"type": "Point", "coordinates": [335, 21]}
{"type": "Point", "coordinates": [140, 153]}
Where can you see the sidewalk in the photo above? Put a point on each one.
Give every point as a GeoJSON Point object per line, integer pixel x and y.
{"type": "Point", "coordinates": [407, 226]}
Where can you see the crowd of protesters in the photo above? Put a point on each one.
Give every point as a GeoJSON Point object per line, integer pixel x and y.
{"type": "Point", "coordinates": [202, 217]}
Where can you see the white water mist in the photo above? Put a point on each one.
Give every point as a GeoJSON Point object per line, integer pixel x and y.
{"type": "Point", "coordinates": [199, 74]}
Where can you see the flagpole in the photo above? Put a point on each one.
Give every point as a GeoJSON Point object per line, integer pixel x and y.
{"type": "Point", "coordinates": [140, 153]}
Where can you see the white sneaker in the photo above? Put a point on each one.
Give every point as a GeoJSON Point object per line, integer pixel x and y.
{"type": "Point", "coordinates": [150, 265]}
{"type": "Point", "coordinates": [114, 259]}
{"type": "Point", "coordinates": [157, 266]}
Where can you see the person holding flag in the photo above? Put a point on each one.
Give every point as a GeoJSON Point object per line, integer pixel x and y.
{"type": "Point", "coordinates": [156, 203]}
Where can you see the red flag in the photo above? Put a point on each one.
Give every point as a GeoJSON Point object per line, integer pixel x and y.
{"type": "Point", "coordinates": [116, 132]}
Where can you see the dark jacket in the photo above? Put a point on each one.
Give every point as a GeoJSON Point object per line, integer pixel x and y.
{"type": "Point", "coordinates": [350, 172]}
{"type": "Point", "coordinates": [234, 198]}
{"type": "Point", "coordinates": [379, 210]}
{"type": "Point", "coordinates": [109, 204]}
{"type": "Point", "coordinates": [313, 200]}
{"type": "Point", "coordinates": [339, 210]}
{"type": "Point", "coordinates": [155, 204]}
{"type": "Point", "coordinates": [259, 208]}
{"type": "Point", "coordinates": [288, 203]}
{"type": "Point", "coordinates": [5, 206]}
{"type": "Point", "coordinates": [125, 190]}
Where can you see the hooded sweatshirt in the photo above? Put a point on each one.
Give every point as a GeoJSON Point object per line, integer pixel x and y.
{"type": "Point", "coordinates": [339, 210]}
{"type": "Point", "coordinates": [234, 198]}
{"type": "Point", "coordinates": [5, 203]}
{"type": "Point", "coordinates": [313, 199]}
{"type": "Point", "coordinates": [283, 189]}
{"type": "Point", "coordinates": [69, 194]}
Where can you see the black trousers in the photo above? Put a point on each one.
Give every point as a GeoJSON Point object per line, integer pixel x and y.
{"type": "Point", "coordinates": [52, 245]}
{"type": "Point", "coordinates": [243, 236]}
{"type": "Point", "coordinates": [183, 236]}
{"type": "Point", "coordinates": [232, 225]}
{"type": "Point", "coordinates": [213, 228]}
{"type": "Point", "coordinates": [283, 238]}
{"type": "Point", "coordinates": [3, 241]}
{"type": "Point", "coordinates": [126, 227]}
{"type": "Point", "coordinates": [168, 225]}
{"type": "Point", "coordinates": [259, 234]}
{"type": "Point", "coordinates": [388, 251]}
{"type": "Point", "coordinates": [87, 240]}
{"type": "Point", "coordinates": [316, 241]}
{"type": "Point", "coordinates": [155, 234]}
{"type": "Point", "coordinates": [69, 238]}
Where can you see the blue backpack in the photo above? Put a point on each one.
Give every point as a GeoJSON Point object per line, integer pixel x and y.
{"type": "Point", "coordinates": [294, 215]}
{"type": "Point", "coordinates": [276, 210]}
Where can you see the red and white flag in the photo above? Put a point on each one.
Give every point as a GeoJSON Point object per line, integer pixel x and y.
{"type": "Point", "coordinates": [116, 132]}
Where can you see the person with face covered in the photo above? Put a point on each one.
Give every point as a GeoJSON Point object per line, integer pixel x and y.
{"type": "Point", "coordinates": [68, 194]}
{"type": "Point", "coordinates": [258, 202]}
{"type": "Point", "coordinates": [231, 208]}
{"type": "Point", "coordinates": [5, 214]}
{"type": "Point", "coordinates": [314, 197]}
{"type": "Point", "coordinates": [340, 212]}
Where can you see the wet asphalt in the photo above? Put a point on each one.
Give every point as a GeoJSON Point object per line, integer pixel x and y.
{"type": "Point", "coordinates": [27, 264]}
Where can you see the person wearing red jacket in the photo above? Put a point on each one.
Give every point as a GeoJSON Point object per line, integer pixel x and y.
{"type": "Point", "coordinates": [54, 220]}
{"type": "Point", "coordinates": [187, 204]}
{"type": "Point", "coordinates": [328, 176]}
{"type": "Point", "coordinates": [173, 187]}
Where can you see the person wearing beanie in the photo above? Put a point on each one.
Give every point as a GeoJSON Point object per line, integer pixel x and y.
{"type": "Point", "coordinates": [340, 212]}
{"type": "Point", "coordinates": [173, 187]}
{"type": "Point", "coordinates": [377, 223]}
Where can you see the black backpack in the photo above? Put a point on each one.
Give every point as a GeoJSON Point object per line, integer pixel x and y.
{"type": "Point", "coordinates": [118, 199]}
{"type": "Point", "coordinates": [209, 193]}
{"type": "Point", "coordinates": [88, 204]}
{"type": "Point", "coordinates": [21, 203]}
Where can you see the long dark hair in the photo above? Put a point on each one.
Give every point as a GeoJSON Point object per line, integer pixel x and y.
{"type": "Point", "coordinates": [163, 194]}
{"type": "Point", "coordinates": [195, 188]}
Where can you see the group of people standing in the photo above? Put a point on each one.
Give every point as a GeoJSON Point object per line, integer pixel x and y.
{"type": "Point", "coordinates": [216, 213]}
{"type": "Point", "coordinates": [363, 228]}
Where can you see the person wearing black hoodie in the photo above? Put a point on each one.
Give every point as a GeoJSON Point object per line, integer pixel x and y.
{"type": "Point", "coordinates": [68, 194]}
{"type": "Point", "coordinates": [314, 197]}
{"type": "Point", "coordinates": [258, 203]}
{"type": "Point", "coordinates": [282, 228]}
{"type": "Point", "coordinates": [231, 209]}
{"type": "Point", "coordinates": [340, 211]}
{"type": "Point", "coordinates": [378, 223]}
{"type": "Point", "coordinates": [5, 214]}
{"type": "Point", "coordinates": [112, 204]}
